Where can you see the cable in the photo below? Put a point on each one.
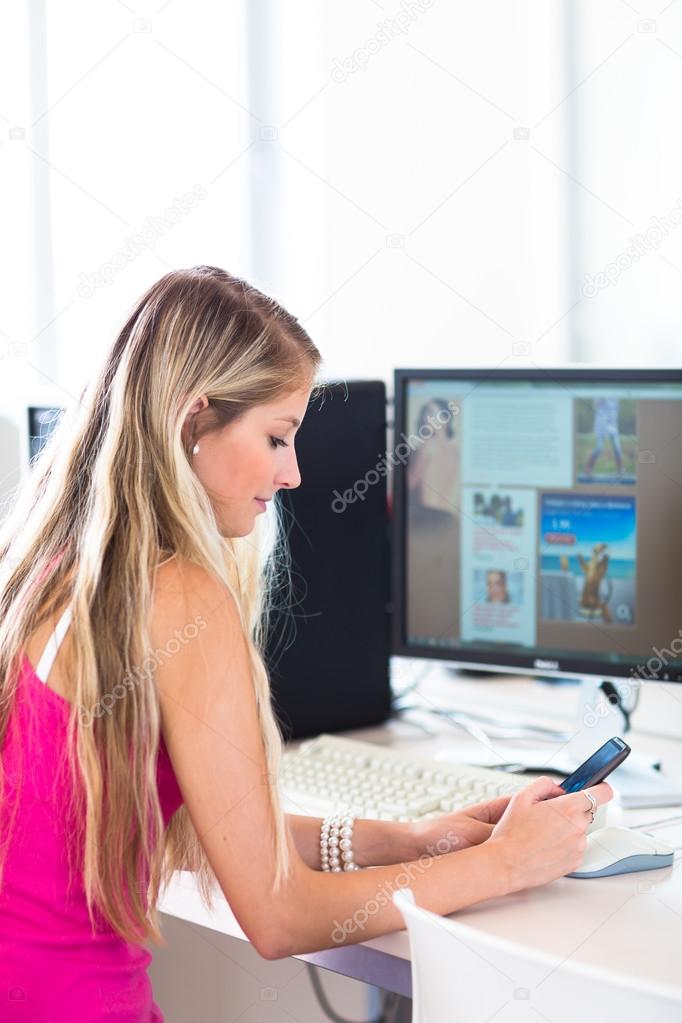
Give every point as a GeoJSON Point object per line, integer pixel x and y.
{"type": "Point", "coordinates": [417, 681]}
{"type": "Point", "coordinates": [479, 726]}
{"type": "Point", "coordinates": [485, 729]}
{"type": "Point", "coordinates": [452, 718]}
{"type": "Point", "coordinates": [390, 1001]}
{"type": "Point", "coordinates": [657, 824]}
{"type": "Point", "coordinates": [616, 700]}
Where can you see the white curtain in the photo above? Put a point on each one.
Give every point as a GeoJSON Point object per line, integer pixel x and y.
{"type": "Point", "coordinates": [628, 194]}
{"type": "Point", "coordinates": [416, 188]}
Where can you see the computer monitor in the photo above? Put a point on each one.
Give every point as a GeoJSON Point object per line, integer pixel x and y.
{"type": "Point", "coordinates": [42, 420]}
{"type": "Point", "coordinates": [537, 517]}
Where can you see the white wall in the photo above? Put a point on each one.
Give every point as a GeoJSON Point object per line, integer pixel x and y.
{"type": "Point", "coordinates": [203, 976]}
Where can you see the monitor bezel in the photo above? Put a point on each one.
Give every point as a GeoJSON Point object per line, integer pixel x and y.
{"type": "Point", "coordinates": [484, 660]}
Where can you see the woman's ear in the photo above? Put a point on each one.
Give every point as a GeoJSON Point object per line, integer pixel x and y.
{"type": "Point", "coordinates": [188, 426]}
{"type": "Point", "coordinates": [199, 404]}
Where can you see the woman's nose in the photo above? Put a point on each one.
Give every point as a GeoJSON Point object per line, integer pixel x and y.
{"type": "Point", "coordinates": [290, 476]}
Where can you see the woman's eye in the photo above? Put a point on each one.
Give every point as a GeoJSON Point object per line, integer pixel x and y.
{"type": "Point", "coordinates": [277, 442]}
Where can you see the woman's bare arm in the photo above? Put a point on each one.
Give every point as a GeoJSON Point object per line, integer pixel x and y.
{"type": "Point", "coordinates": [374, 842]}
{"type": "Point", "coordinates": [210, 725]}
{"type": "Point", "coordinates": [379, 843]}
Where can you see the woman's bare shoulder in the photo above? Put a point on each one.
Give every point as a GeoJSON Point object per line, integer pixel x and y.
{"type": "Point", "coordinates": [200, 648]}
{"type": "Point", "coordinates": [185, 592]}
{"type": "Point", "coordinates": [180, 576]}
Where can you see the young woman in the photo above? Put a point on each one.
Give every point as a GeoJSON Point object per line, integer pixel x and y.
{"type": "Point", "coordinates": [136, 729]}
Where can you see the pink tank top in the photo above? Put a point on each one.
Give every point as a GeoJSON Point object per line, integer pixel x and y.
{"type": "Point", "coordinates": [52, 967]}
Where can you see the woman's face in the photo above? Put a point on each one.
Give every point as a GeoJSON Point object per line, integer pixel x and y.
{"type": "Point", "coordinates": [243, 465]}
{"type": "Point", "coordinates": [497, 587]}
{"type": "Point", "coordinates": [440, 433]}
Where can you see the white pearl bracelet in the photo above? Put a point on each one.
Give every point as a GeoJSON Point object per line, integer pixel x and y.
{"type": "Point", "coordinates": [336, 843]}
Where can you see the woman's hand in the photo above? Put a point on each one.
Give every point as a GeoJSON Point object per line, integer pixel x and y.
{"type": "Point", "coordinates": [542, 833]}
{"type": "Point", "coordinates": [461, 829]}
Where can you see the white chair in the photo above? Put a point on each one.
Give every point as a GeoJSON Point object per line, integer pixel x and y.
{"type": "Point", "coordinates": [461, 975]}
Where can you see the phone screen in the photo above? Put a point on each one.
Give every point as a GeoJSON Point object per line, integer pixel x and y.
{"type": "Point", "coordinates": [598, 766]}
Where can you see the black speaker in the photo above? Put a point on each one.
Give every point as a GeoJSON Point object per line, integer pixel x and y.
{"type": "Point", "coordinates": [328, 650]}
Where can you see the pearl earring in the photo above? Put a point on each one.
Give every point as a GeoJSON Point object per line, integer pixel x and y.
{"type": "Point", "coordinates": [195, 449]}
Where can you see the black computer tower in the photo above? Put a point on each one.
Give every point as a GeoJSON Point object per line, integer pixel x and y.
{"type": "Point", "coordinates": [328, 647]}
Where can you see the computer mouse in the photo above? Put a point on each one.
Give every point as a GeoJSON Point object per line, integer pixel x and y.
{"type": "Point", "coordinates": [622, 850]}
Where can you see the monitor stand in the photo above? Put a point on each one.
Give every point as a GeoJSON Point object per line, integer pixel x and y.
{"type": "Point", "coordinates": [638, 781]}
{"type": "Point", "coordinates": [602, 712]}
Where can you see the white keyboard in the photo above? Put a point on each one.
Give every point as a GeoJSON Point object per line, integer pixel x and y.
{"type": "Point", "coordinates": [330, 773]}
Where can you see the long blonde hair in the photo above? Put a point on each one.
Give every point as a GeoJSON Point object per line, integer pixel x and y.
{"type": "Point", "coordinates": [112, 489]}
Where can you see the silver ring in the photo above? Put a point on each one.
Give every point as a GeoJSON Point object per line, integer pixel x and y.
{"type": "Point", "coordinates": [592, 801]}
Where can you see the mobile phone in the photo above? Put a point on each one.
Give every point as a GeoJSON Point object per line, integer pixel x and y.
{"type": "Point", "coordinates": [598, 766]}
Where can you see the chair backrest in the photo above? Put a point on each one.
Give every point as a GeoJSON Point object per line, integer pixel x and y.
{"type": "Point", "coordinates": [462, 975]}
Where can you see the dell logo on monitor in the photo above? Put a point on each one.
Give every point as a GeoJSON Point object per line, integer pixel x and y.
{"type": "Point", "coordinates": [546, 665]}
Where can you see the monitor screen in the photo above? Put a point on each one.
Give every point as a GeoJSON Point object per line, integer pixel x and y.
{"type": "Point", "coordinates": [41, 423]}
{"type": "Point", "coordinates": [538, 520]}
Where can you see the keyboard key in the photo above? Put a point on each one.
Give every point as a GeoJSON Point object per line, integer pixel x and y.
{"type": "Point", "coordinates": [331, 773]}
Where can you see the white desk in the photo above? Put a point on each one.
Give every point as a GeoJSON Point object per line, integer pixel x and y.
{"type": "Point", "coordinates": [630, 923]}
